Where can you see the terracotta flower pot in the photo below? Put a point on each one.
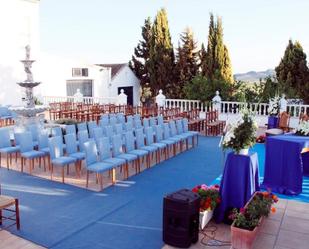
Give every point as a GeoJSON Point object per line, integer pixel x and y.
{"type": "Point", "coordinates": [241, 238]}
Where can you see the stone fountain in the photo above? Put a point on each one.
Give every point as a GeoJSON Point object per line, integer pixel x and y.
{"type": "Point", "coordinates": [28, 113]}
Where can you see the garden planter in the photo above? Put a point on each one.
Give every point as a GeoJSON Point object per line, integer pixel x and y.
{"type": "Point", "coordinates": [205, 217]}
{"type": "Point", "coordinates": [241, 238]}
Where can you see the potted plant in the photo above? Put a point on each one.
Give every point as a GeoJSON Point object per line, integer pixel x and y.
{"type": "Point", "coordinates": [210, 198]}
{"type": "Point", "coordinates": [273, 112]}
{"type": "Point", "coordinates": [246, 221]}
{"type": "Point", "coordinates": [240, 134]}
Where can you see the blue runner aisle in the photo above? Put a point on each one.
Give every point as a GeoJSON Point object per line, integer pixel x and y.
{"type": "Point", "coordinates": [128, 215]}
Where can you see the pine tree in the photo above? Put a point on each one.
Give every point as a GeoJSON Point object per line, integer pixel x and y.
{"type": "Point", "coordinates": [161, 62]}
{"type": "Point", "coordinates": [203, 60]}
{"type": "Point", "coordinates": [216, 63]}
{"type": "Point", "coordinates": [187, 61]}
{"type": "Point", "coordinates": [140, 59]}
{"type": "Point", "coordinates": [293, 73]}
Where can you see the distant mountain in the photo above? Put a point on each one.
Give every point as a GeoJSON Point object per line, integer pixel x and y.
{"type": "Point", "coordinates": [254, 76]}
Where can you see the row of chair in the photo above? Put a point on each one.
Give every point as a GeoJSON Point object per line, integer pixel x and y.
{"type": "Point", "coordinates": [148, 143]}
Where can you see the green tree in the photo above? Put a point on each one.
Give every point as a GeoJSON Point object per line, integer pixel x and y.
{"type": "Point", "coordinates": [140, 59]}
{"type": "Point", "coordinates": [216, 64]}
{"type": "Point", "coordinates": [161, 61]}
{"type": "Point", "coordinates": [187, 61]}
{"type": "Point", "coordinates": [293, 73]}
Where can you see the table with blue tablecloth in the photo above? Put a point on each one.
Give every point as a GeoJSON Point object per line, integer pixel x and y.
{"type": "Point", "coordinates": [285, 164]}
{"type": "Point", "coordinates": [240, 180]}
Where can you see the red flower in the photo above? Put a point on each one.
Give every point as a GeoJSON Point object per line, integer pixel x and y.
{"type": "Point", "coordinates": [218, 200]}
{"type": "Point", "coordinates": [195, 190]}
{"type": "Point", "coordinates": [242, 210]}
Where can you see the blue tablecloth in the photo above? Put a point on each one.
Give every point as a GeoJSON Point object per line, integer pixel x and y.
{"type": "Point", "coordinates": [273, 122]}
{"type": "Point", "coordinates": [284, 166]}
{"type": "Point", "coordinates": [240, 180]}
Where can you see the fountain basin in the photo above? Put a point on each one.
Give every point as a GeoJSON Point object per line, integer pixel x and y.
{"type": "Point", "coordinates": [28, 112]}
{"type": "Point", "coordinates": [28, 84]}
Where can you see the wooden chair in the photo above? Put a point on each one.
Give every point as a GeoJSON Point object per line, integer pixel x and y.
{"type": "Point", "coordinates": [284, 121]}
{"type": "Point", "coordinates": [6, 202]}
{"type": "Point", "coordinates": [303, 117]}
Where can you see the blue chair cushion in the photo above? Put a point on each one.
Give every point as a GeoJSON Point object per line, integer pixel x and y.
{"type": "Point", "coordinates": [194, 133]}
{"type": "Point", "coordinates": [176, 139]}
{"type": "Point", "coordinates": [187, 134]}
{"type": "Point", "coordinates": [32, 154]}
{"type": "Point", "coordinates": [149, 148]}
{"type": "Point", "coordinates": [63, 160]}
{"type": "Point", "coordinates": [127, 157]}
{"type": "Point", "coordinates": [139, 153]}
{"type": "Point", "coordinates": [78, 155]}
{"type": "Point", "coordinates": [9, 150]}
{"type": "Point", "coordinates": [45, 150]}
{"type": "Point", "coordinates": [159, 145]}
{"type": "Point", "coordinates": [115, 161]}
{"type": "Point", "coordinates": [181, 137]}
{"type": "Point", "coordinates": [100, 167]}
{"type": "Point", "coordinates": [168, 141]}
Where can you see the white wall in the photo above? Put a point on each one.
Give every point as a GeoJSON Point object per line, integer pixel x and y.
{"type": "Point", "coordinates": [126, 77]}
{"type": "Point", "coordinates": [19, 25]}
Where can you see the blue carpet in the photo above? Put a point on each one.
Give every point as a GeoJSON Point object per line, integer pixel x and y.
{"type": "Point", "coordinates": [126, 216]}
{"type": "Point", "coordinates": [57, 215]}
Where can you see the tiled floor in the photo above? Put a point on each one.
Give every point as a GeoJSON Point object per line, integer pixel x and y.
{"type": "Point", "coordinates": [288, 228]}
{"type": "Point", "coordinates": [10, 241]}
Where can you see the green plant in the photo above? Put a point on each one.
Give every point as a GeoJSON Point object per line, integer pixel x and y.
{"type": "Point", "coordinates": [210, 196]}
{"type": "Point", "coordinates": [241, 134]}
{"type": "Point", "coordinates": [259, 206]}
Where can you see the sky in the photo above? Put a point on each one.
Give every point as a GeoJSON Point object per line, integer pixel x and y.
{"type": "Point", "coordinates": [256, 32]}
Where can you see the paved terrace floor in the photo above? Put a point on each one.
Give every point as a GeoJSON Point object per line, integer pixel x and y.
{"type": "Point", "coordinates": [129, 215]}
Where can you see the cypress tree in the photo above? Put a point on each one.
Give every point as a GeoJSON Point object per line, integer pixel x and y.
{"type": "Point", "coordinates": [187, 61]}
{"type": "Point", "coordinates": [216, 63]}
{"type": "Point", "coordinates": [161, 62]}
{"type": "Point", "coordinates": [140, 58]}
{"type": "Point", "coordinates": [293, 73]}
{"type": "Point", "coordinates": [203, 60]}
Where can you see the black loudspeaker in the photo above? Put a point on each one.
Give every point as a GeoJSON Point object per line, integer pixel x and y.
{"type": "Point", "coordinates": [181, 218]}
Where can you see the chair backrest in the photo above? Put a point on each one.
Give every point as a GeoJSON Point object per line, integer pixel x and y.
{"type": "Point", "coordinates": [26, 142]}
{"type": "Point", "coordinates": [97, 134]}
{"type": "Point", "coordinates": [179, 126]}
{"type": "Point", "coordinates": [118, 129]}
{"type": "Point", "coordinates": [140, 138]}
{"type": "Point", "coordinates": [117, 145]}
{"type": "Point", "coordinates": [160, 120]}
{"type": "Point", "coordinates": [136, 117]}
{"type": "Point", "coordinates": [104, 116]}
{"type": "Point", "coordinates": [43, 139]}
{"type": "Point", "coordinates": [5, 140]}
{"type": "Point", "coordinates": [112, 115]}
{"type": "Point", "coordinates": [158, 133]}
{"type": "Point", "coordinates": [57, 132]}
{"type": "Point", "coordinates": [82, 138]}
{"type": "Point", "coordinates": [284, 120]}
{"type": "Point", "coordinates": [149, 136]}
{"type": "Point", "coordinates": [166, 131]}
{"type": "Point", "coordinates": [137, 123]}
{"type": "Point", "coordinates": [82, 126]}
{"type": "Point", "coordinates": [104, 121]}
{"type": "Point", "coordinates": [121, 118]}
{"type": "Point", "coordinates": [112, 121]}
{"type": "Point", "coordinates": [104, 148]}
{"type": "Point", "coordinates": [185, 124]}
{"type": "Point", "coordinates": [70, 129]}
{"type": "Point", "coordinates": [145, 123]}
{"type": "Point", "coordinates": [152, 121]}
{"type": "Point", "coordinates": [91, 126]}
{"type": "Point", "coordinates": [129, 126]}
{"type": "Point", "coordinates": [108, 131]}
{"type": "Point", "coordinates": [129, 141]}
{"type": "Point", "coordinates": [172, 127]}
{"type": "Point", "coordinates": [70, 141]}
{"type": "Point", "coordinates": [55, 147]}
{"type": "Point", "coordinates": [130, 119]}
{"type": "Point", "coordinates": [91, 152]}
{"type": "Point", "coordinates": [34, 129]}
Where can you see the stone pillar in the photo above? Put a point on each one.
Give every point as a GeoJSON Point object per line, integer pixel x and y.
{"type": "Point", "coordinates": [122, 98]}
{"type": "Point", "coordinates": [78, 96]}
{"type": "Point", "coordinates": [283, 103]}
{"type": "Point", "coordinates": [216, 102]}
{"type": "Point", "coordinates": [160, 99]}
